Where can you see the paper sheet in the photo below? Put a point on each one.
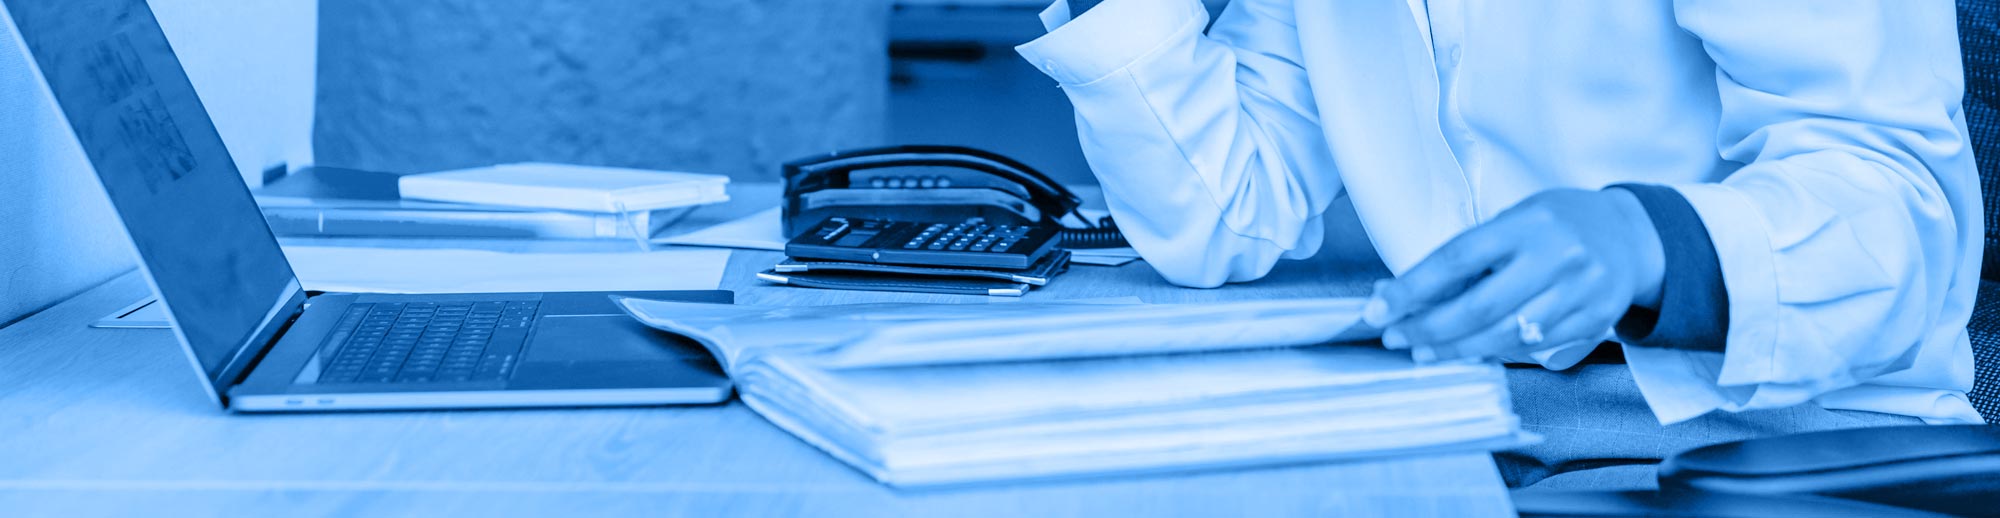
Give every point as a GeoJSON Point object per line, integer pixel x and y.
{"type": "Point", "coordinates": [891, 334]}
{"type": "Point", "coordinates": [760, 231]}
{"type": "Point", "coordinates": [1103, 256]}
{"type": "Point", "coordinates": [394, 270]}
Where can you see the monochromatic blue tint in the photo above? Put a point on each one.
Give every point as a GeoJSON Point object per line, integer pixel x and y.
{"type": "Point", "coordinates": [999, 257]}
{"type": "Point", "coordinates": [164, 166]}
{"type": "Point", "coordinates": [728, 87]}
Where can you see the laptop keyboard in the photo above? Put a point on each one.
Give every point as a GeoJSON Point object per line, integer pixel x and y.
{"type": "Point", "coordinates": [422, 342]}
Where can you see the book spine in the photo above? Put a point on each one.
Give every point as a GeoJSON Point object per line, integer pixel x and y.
{"type": "Point", "coordinates": [309, 221]}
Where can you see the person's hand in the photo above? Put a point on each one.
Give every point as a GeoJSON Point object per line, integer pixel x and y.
{"type": "Point", "coordinates": [1560, 267]}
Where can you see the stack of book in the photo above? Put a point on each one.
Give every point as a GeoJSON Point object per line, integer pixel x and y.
{"type": "Point", "coordinates": [920, 395]}
{"type": "Point", "coordinates": [529, 200]}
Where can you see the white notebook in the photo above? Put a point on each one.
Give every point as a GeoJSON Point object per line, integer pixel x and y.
{"type": "Point", "coordinates": [567, 187]}
{"type": "Point", "coordinates": [946, 394]}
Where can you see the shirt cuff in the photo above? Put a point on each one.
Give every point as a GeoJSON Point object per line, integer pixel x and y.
{"type": "Point", "coordinates": [1681, 384]}
{"type": "Point", "coordinates": [1694, 305]}
{"type": "Point", "coordinates": [1110, 37]}
{"type": "Point", "coordinates": [1055, 16]}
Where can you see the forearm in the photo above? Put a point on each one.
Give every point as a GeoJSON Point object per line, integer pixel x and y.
{"type": "Point", "coordinates": [1848, 239]}
{"type": "Point", "coordinates": [1207, 145]}
{"type": "Point", "coordinates": [1209, 195]}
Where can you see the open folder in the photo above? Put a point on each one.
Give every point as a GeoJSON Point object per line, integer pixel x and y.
{"type": "Point", "coordinates": [926, 394]}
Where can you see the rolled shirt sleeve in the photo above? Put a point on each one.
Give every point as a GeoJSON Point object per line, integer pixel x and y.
{"type": "Point", "coordinates": [1849, 238]}
{"type": "Point", "coordinates": [1055, 15]}
{"type": "Point", "coordinates": [1108, 38]}
{"type": "Point", "coordinates": [1208, 145]}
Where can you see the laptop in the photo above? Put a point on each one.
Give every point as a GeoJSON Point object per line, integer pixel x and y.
{"type": "Point", "coordinates": [260, 342]}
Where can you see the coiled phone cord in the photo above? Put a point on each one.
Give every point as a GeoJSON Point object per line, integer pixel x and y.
{"type": "Point", "coordinates": [1104, 235]}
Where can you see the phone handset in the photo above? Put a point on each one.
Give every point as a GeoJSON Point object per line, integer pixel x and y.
{"type": "Point", "coordinates": [924, 182]}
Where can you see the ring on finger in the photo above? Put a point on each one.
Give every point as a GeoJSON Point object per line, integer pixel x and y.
{"type": "Point", "coordinates": [1530, 331]}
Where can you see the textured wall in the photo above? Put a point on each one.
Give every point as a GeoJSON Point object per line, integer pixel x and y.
{"type": "Point", "coordinates": [734, 87]}
{"type": "Point", "coordinates": [250, 60]}
{"type": "Point", "coordinates": [57, 232]}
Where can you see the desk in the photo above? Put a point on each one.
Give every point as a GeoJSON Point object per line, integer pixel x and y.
{"type": "Point", "coordinates": [113, 422]}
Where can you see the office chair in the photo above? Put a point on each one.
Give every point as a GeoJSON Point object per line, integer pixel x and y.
{"type": "Point", "coordinates": [1888, 471]}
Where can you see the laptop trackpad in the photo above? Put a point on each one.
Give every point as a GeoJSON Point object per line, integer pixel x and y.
{"type": "Point", "coordinates": [607, 338]}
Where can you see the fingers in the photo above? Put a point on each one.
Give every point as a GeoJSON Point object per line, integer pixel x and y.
{"type": "Point", "coordinates": [1487, 342]}
{"type": "Point", "coordinates": [1539, 263]}
{"type": "Point", "coordinates": [1564, 316]}
{"type": "Point", "coordinates": [1444, 273]}
{"type": "Point", "coordinates": [1492, 338]}
{"type": "Point", "coordinates": [1493, 299]}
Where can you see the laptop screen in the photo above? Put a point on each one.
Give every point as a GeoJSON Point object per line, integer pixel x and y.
{"type": "Point", "coordinates": [198, 232]}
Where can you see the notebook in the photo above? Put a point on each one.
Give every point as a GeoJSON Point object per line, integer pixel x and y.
{"type": "Point", "coordinates": [942, 394]}
{"type": "Point", "coordinates": [568, 187]}
{"type": "Point", "coordinates": [326, 201]}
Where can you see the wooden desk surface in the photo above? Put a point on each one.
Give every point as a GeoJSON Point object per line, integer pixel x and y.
{"type": "Point", "coordinates": [114, 422]}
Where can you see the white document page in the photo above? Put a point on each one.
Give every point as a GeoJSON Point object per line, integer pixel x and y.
{"type": "Point", "coordinates": [1103, 256]}
{"type": "Point", "coordinates": [397, 270]}
{"type": "Point", "coordinates": [760, 231]}
{"type": "Point", "coordinates": [877, 335]}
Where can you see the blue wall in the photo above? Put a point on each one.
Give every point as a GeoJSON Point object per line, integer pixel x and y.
{"type": "Point", "coordinates": [734, 87]}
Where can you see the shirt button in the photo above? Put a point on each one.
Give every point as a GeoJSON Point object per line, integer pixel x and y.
{"type": "Point", "coordinates": [1453, 55]}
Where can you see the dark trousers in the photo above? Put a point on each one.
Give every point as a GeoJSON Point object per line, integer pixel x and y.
{"type": "Point", "coordinates": [1598, 433]}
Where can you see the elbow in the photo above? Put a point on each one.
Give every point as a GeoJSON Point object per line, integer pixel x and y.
{"type": "Point", "coordinates": [1189, 274]}
{"type": "Point", "coordinates": [1191, 245]}
{"type": "Point", "coordinates": [1211, 264]}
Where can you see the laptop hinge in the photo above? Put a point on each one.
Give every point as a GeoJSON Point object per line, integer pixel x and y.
{"type": "Point", "coordinates": [276, 321]}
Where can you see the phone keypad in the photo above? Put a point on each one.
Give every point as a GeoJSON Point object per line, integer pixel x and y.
{"type": "Point", "coordinates": [973, 235]}
{"type": "Point", "coordinates": [970, 243]}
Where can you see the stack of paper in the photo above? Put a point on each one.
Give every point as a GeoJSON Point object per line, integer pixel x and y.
{"type": "Point", "coordinates": [942, 394]}
{"type": "Point", "coordinates": [324, 201]}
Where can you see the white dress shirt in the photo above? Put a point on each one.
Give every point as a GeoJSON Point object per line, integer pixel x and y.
{"type": "Point", "coordinates": [1822, 147]}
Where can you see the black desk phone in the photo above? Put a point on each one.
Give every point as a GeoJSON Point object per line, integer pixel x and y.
{"type": "Point", "coordinates": [932, 206]}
